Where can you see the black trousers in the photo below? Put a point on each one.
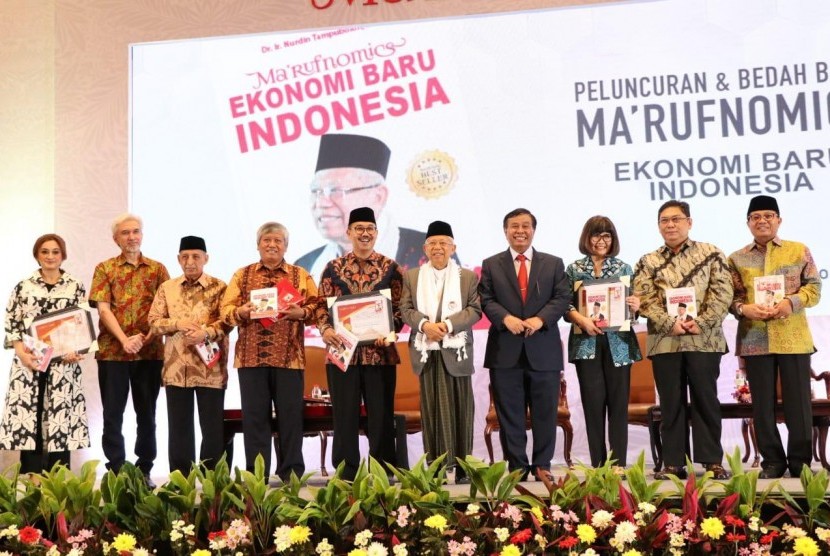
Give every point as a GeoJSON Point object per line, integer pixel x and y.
{"type": "Point", "coordinates": [374, 385]}
{"type": "Point", "coordinates": [514, 390]}
{"type": "Point", "coordinates": [116, 380]}
{"type": "Point", "coordinates": [37, 460]}
{"type": "Point", "coordinates": [698, 372]}
{"type": "Point", "coordinates": [181, 437]}
{"type": "Point", "coordinates": [604, 390]}
{"type": "Point", "coordinates": [763, 372]}
{"type": "Point", "coordinates": [263, 390]}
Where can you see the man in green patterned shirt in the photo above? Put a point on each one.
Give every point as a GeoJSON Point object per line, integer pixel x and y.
{"type": "Point", "coordinates": [686, 353]}
{"type": "Point", "coordinates": [775, 342]}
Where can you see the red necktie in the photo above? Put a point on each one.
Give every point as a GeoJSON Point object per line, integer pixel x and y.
{"type": "Point", "coordinates": [522, 276]}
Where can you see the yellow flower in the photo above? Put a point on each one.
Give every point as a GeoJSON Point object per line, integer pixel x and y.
{"type": "Point", "coordinates": [298, 534]}
{"type": "Point", "coordinates": [806, 546]}
{"type": "Point", "coordinates": [586, 533]}
{"type": "Point", "coordinates": [537, 511]}
{"type": "Point", "coordinates": [510, 550]}
{"type": "Point", "coordinates": [358, 552]}
{"type": "Point", "coordinates": [124, 542]}
{"type": "Point", "coordinates": [436, 522]}
{"type": "Point", "coordinates": [632, 552]}
{"type": "Point", "coordinates": [200, 552]}
{"type": "Point", "coordinates": [712, 527]}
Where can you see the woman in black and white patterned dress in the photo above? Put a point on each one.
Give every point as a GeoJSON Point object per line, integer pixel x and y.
{"type": "Point", "coordinates": [45, 412]}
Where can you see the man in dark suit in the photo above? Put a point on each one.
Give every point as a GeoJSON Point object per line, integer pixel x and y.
{"type": "Point", "coordinates": [351, 173]}
{"type": "Point", "coordinates": [440, 303]}
{"type": "Point", "coordinates": [524, 293]}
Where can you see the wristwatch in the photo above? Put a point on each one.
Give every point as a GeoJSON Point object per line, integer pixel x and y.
{"type": "Point", "coordinates": [739, 308]}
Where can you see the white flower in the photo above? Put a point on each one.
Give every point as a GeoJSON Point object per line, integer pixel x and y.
{"type": "Point", "coordinates": [361, 540]}
{"type": "Point", "coordinates": [324, 548]}
{"type": "Point", "coordinates": [602, 519]}
{"type": "Point", "coordinates": [472, 509]}
{"type": "Point", "coordinates": [646, 508]}
{"type": "Point", "coordinates": [377, 549]}
{"type": "Point", "coordinates": [794, 532]}
{"type": "Point", "coordinates": [141, 552]}
{"type": "Point", "coordinates": [282, 538]}
{"type": "Point", "coordinates": [677, 540]}
{"type": "Point", "coordinates": [625, 533]}
{"type": "Point", "coordinates": [589, 552]}
{"type": "Point", "coordinates": [754, 523]}
{"type": "Point", "coordinates": [540, 540]}
{"type": "Point", "coordinates": [501, 533]}
{"type": "Point", "coordinates": [400, 550]}
{"type": "Point", "coordinates": [53, 551]}
{"type": "Point", "coordinates": [823, 534]}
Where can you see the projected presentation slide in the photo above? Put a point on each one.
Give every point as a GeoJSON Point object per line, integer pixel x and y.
{"type": "Point", "coordinates": [610, 109]}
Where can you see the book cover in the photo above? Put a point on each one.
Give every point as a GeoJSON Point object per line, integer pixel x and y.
{"type": "Point", "coordinates": [769, 290]}
{"type": "Point", "coordinates": [209, 352]}
{"type": "Point", "coordinates": [342, 356]}
{"type": "Point", "coordinates": [681, 303]}
{"type": "Point", "coordinates": [265, 302]}
{"type": "Point", "coordinates": [42, 351]}
{"type": "Point", "coordinates": [287, 295]}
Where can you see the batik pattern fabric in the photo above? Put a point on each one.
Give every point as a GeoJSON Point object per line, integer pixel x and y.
{"type": "Point", "coordinates": [198, 302]}
{"type": "Point", "coordinates": [280, 344]}
{"type": "Point", "coordinates": [65, 424]}
{"type": "Point", "coordinates": [129, 289]}
{"type": "Point", "coordinates": [624, 347]}
{"type": "Point", "coordinates": [802, 286]}
{"type": "Point", "coordinates": [698, 265]}
{"type": "Point", "coordinates": [350, 274]}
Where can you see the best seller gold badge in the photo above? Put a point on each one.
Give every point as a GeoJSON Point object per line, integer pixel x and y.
{"type": "Point", "coordinates": [432, 174]}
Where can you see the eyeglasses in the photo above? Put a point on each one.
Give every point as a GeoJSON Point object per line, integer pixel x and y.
{"type": "Point", "coordinates": [673, 219]}
{"type": "Point", "coordinates": [336, 193]}
{"type": "Point", "coordinates": [439, 243]}
{"type": "Point", "coordinates": [364, 229]}
{"type": "Point", "coordinates": [766, 216]}
{"type": "Point", "coordinates": [606, 237]}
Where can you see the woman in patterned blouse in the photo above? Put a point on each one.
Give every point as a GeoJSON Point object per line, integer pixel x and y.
{"type": "Point", "coordinates": [603, 358]}
{"type": "Point", "coordinates": [45, 412]}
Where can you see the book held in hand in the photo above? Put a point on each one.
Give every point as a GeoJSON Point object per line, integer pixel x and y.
{"type": "Point", "coordinates": [209, 352]}
{"type": "Point", "coordinates": [681, 303]}
{"type": "Point", "coordinates": [769, 290]}
{"type": "Point", "coordinates": [264, 302]}
{"type": "Point", "coordinates": [41, 350]}
{"type": "Point", "coordinates": [287, 294]}
{"type": "Point", "coordinates": [341, 356]}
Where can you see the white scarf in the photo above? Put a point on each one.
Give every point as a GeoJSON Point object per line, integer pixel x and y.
{"type": "Point", "coordinates": [428, 296]}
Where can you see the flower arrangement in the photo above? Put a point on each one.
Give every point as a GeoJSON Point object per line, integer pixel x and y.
{"type": "Point", "coordinates": [589, 515]}
{"type": "Point", "coordinates": [741, 394]}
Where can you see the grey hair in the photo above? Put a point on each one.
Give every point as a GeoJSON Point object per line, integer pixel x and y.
{"type": "Point", "coordinates": [126, 217]}
{"type": "Point", "coordinates": [270, 228]}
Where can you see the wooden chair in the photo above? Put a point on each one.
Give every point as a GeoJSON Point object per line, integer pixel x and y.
{"type": "Point", "coordinates": [315, 374]}
{"type": "Point", "coordinates": [563, 420]}
{"type": "Point", "coordinates": [820, 427]}
{"type": "Point", "coordinates": [407, 391]}
{"type": "Point", "coordinates": [643, 395]}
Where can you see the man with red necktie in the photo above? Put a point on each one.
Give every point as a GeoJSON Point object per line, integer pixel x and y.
{"type": "Point", "coordinates": [524, 293]}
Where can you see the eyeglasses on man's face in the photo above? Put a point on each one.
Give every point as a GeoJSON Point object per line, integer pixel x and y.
{"type": "Point", "coordinates": [336, 193]}
{"type": "Point", "coordinates": [364, 229]}
{"type": "Point", "coordinates": [666, 220]}
{"type": "Point", "coordinates": [765, 216]}
{"type": "Point", "coordinates": [604, 237]}
{"type": "Point", "coordinates": [438, 243]}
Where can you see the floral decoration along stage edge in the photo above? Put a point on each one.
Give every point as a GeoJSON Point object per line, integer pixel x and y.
{"type": "Point", "coordinates": [219, 512]}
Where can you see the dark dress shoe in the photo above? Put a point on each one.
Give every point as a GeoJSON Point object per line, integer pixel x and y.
{"type": "Point", "coordinates": [149, 482]}
{"type": "Point", "coordinates": [771, 472]}
{"type": "Point", "coordinates": [718, 472]}
{"type": "Point", "coordinates": [542, 474]}
{"type": "Point", "coordinates": [676, 470]}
